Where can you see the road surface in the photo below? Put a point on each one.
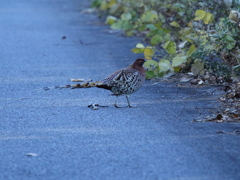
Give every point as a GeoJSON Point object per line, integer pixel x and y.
{"type": "Point", "coordinates": [54, 135]}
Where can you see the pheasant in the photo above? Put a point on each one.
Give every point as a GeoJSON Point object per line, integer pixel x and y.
{"type": "Point", "coordinates": [122, 82]}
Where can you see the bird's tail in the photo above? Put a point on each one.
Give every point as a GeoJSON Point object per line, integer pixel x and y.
{"type": "Point", "coordinates": [79, 85]}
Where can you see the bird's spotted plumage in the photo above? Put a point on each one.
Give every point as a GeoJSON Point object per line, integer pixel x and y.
{"type": "Point", "coordinates": [125, 81]}
{"type": "Point", "coordinates": [122, 82]}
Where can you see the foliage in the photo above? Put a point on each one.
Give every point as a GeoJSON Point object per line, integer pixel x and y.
{"type": "Point", "coordinates": [189, 31]}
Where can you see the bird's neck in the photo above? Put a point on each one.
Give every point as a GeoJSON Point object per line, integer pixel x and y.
{"type": "Point", "coordinates": [140, 69]}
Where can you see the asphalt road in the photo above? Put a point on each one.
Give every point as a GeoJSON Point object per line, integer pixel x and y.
{"type": "Point", "coordinates": [54, 135]}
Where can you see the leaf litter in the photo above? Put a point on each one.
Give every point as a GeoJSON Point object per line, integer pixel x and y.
{"type": "Point", "coordinates": [229, 110]}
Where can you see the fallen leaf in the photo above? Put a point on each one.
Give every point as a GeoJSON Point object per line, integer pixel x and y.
{"type": "Point", "coordinates": [77, 80]}
{"type": "Point", "coordinates": [32, 154]}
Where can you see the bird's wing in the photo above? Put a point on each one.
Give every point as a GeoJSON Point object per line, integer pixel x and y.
{"type": "Point", "coordinates": [120, 76]}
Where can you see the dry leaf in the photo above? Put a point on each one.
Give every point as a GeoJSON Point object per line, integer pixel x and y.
{"type": "Point", "coordinates": [32, 154]}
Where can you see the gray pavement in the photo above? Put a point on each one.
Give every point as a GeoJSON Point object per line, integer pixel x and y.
{"type": "Point", "coordinates": [68, 140]}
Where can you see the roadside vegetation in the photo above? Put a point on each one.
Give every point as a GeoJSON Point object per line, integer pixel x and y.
{"type": "Point", "coordinates": [198, 38]}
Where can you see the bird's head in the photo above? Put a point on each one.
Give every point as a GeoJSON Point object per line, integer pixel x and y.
{"type": "Point", "coordinates": [139, 62]}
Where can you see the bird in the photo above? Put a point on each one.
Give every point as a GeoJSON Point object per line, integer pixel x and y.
{"type": "Point", "coordinates": [122, 82]}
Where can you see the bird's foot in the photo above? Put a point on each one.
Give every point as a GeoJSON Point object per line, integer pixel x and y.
{"type": "Point", "coordinates": [116, 106]}
{"type": "Point", "coordinates": [132, 106]}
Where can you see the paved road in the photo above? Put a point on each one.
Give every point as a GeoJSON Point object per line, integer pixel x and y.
{"type": "Point", "coordinates": [67, 140]}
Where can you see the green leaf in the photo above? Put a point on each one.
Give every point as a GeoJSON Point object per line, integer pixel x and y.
{"type": "Point", "coordinates": [137, 50]}
{"type": "Point", "coordinates": [151, 27]}
{"type": "Point", "coordinates": [151, 65]}
{"type": "Point", "coordinates": [198, 67]}
{"type": "Point", "coordinates": [156, 39]}
{"type": "Point", "coordinates": [150, 34]}
{"type": "Point", "coordinates": [167, 37]}
{"type": "Point", "coordinates": [208, 18]}
{"type": "Point", "coordinates": [161, 17]}
{"type": "Point", "coordinates": [152, 68]}
{"type": "Point", "coordinates": [111, 3]}
{"type": "Point", "coordinates": [170, 47]}
{"type": "Point", "coordinates": [208, 47]}
{"type": "Point", "coordinates": [177, 69]}
{"type": "Point", "coordinates": [150, 74]}
{"type": "Point", "coordinates": [191, 50]}
{"type": "Point", "coordinates": [164, 66]}
{"type": "Point", "coordinates": [126, 16]}
{"type": "Point", "coordinates": [179, 5]}
{"type": "Point", "coordinates": [158, 25]}
{"type": "Point", "coordinates": [148, 52]}
{"type": "Point", "coordinates": [142, 28]}
{"type": "Point", "coordinates": [185, 31]}
{"type": "Point", "coordinates": [103, 5]}
{"type": "Point", "coordinates": [199, 15]}
{"type": "Point", "coordinates": [114, 8]}
{"type": "Point", "coordinates": [149, 16]}
{"type": "Point", "coordinates": [139, 45]}
{"type": "Point", "coordinates": [126, 25]}
{"type": "Point", "coordinates": [130, 32]}
{"type": "Point", "coordinates": [120, 24]}
{"type": "Point", "coordinates": [96, 3]}
{"type": "Point", "coordinates": [236, 70]}
{"type": "Point", "coordinates": [175, 24]}
{"type": "Point", "coordinates": [117, 25]}
{"type": "Point", "coordinates": [110, 20]}
{"type": "Point", "coordinates": [230, 42]}
{"type": "Point", "coordinates": [178, 61]}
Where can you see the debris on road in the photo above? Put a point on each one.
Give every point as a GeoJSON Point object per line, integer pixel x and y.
{"type": "Point", "coordinates": [32, 154]}
{"type": "Point", "coordinates": [95, 106]}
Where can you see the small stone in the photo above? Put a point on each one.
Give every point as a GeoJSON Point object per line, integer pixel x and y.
{"type": "Point", "coordinates": [220, 82]}
{"type": "Point", "coordinates": [206, 77]}
{"type": "Point", "coordinates": [185, 79]}
{"type": "Point", "coordinates": [222, 98]}
{"type": "Point", "coordinates": [212, 79]}
{"type": "Point", "coordinates": [206, 82]}
{"type": "Point", "coordinates": [200, 82]}
{"type": "Point", "coordinates": [227, 110]}
{"type": "Point", "coordinates": [194, 81]}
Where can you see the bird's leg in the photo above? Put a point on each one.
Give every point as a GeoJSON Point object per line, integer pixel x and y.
{"type": "Point", "coordinates": [115, 104]}
{"type": "Point", "coordinates": [129, 105]}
